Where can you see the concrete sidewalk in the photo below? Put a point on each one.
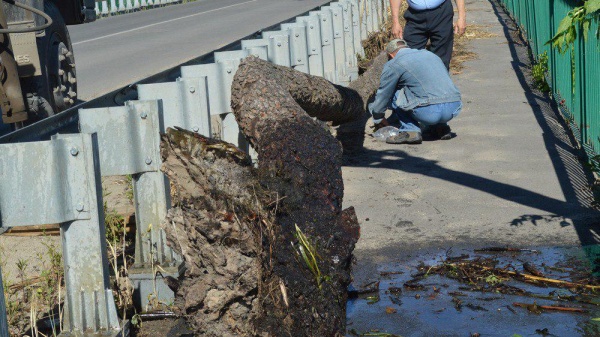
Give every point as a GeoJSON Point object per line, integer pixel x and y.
{"type": "Point", "coordinates": [510, 177]}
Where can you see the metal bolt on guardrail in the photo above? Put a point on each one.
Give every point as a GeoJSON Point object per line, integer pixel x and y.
{"type": "Point", "coordinates": [124, 140]}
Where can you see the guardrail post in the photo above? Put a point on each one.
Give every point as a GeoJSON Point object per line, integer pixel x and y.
{"type": "Point", "coordinates": [328, 51]}
{"type": "Point", "coordinates": [62, 185]}
{"type": "Point", "coordinates": [228, 63]}
{"type": "Point", "coordinates": [375, 14]}
{"type": "Point", "coordinates": [122, 7]}
{"type": "Point", "coordinates": [184, 103]}
{"type": "Point", "coordinates": [130, 143]}
{"type": "Point", "coordinates": [368, 17]}
{"type": "Point", "coordinates": [379, 4]}
{"type": "Point", "coordinates": [362, 18]}
{"type": "Point", "coordinates": [355, 22]}
{"type": "Point", "coordinates": [386, 9]}
{"type": "Point", "coordinates": [357, 27]}
{"type": "Point", "coordinates": [338, 42]}
{"type": "Point", "coordinates": [349, 41]}
{"type": "Point", "coordinates": [209, 74]}
{"type": "Point", "coordinates": [298, 45]}
{"type": "Point", "coordinates": [314, 47]}
{"type": "Point", "coordinates": [278, 47]}
{"type": "Point", "coordinates": [256, 47]}
{"type": "Point", "coordinates": [104, 11]}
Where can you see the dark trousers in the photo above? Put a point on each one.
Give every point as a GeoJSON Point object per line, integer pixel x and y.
{"type": "Point", "coordinates": [435, 25]}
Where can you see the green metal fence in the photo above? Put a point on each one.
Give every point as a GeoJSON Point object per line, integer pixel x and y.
{"type": "Point", "coordinates": [575, 75]}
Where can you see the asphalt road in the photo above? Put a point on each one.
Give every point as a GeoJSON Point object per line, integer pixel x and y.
{"type": "Point", "coordinates": [116, 51]}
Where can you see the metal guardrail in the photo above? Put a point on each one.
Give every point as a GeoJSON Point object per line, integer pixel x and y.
{"type": "Point", "coordinates": [113, 7]}
{"type": "Point", "coordinates": [58, 180]}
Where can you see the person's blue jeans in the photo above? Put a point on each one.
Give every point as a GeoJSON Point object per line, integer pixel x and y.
{"type": "Point", "coordinates": [428, 115]}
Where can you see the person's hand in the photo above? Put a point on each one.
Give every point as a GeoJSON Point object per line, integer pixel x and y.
{"type": "Point", "coordinates": [397, 30]}
{"type": "Point", "coordinates": [460, 26]}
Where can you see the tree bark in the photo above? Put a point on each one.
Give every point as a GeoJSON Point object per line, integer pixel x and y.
{"type": "Point", "coordinates": [246, 234]}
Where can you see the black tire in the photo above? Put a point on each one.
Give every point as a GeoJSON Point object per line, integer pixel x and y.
{"type": "Point", "coordinates": [56, 89]}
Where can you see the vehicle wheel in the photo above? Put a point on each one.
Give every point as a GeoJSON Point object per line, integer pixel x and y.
{"type": "Point", "coordinates": [56, 89]}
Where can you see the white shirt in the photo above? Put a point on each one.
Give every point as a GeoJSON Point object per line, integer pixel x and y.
{"type": "Point", "coordinates": [424, 4]}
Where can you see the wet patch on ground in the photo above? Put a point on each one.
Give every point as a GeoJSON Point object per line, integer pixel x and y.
{"type": "Point", "coordinates": [489, 292]}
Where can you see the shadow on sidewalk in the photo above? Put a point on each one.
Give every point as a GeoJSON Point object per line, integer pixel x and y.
{"type": "Point", "coordinates": [561, 145]}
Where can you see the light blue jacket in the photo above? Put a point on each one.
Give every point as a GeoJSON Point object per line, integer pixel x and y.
{"type": "Point", "coordinates": [411, 79]}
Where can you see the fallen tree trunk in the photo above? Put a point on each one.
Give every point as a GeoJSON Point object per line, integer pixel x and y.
{"type": "Point", "coordinates": [268, 251]}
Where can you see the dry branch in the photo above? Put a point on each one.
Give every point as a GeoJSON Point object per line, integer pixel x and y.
{"type": "Point", "coordinates": [548, 307]}
{"type": "Point", "coordinates": [532, 278]}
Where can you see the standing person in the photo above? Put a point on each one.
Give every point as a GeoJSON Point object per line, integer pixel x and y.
{"type": "Point", "coordinates": [417, 86]}
{"type": "Point", "coordinates": [430, 20]}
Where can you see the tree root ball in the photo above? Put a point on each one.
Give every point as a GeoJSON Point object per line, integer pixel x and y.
{"type": "Point", "coordinates": [267, 250]}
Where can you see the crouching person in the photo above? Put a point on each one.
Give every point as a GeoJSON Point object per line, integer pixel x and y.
{"type": "Point", "coordinates": [417, 86]}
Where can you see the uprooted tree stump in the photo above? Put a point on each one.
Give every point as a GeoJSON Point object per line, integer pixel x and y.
{"type": "Point", "coordinates": [268, 250]}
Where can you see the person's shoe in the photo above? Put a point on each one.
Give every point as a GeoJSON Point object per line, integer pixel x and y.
{"type": "Point", "coordinates": [405, 137]}
{"type": "Point", "coordinates": [443, 132]}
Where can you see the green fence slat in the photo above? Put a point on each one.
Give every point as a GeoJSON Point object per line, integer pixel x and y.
{"type": "Point", "coordinates": [592, 90]}
{"type": "Point", "coordinates": [543, 25]}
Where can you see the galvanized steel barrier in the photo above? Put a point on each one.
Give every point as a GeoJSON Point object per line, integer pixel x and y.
{"type": "Point", "coordinates": [58, 181]}
{"type": "Point", "coordinates": [113, 7]}
{"type": "Point", "coordinates": [574, 75]}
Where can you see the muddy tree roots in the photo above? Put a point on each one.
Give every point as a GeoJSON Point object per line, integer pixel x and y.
{"type": "Point", "coordinates": [267, 250]}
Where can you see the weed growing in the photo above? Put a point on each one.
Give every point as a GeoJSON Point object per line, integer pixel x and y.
{"type": "Point", "coordinates": [539, 71]}
{"type": "Point", "coordinates": [307, 251]}
{"type": "Point", "coordinates": [117, 243]}
{"type": "Point", "coordinates": [32, 301]}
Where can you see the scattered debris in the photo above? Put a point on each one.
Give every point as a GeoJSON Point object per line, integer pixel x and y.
{"type": "Point", "coordinates": [528, 267]}
{"type": "Point", "coordinates": [475, 307]}
{"type": "Point", "coordinates": [43, 230]}
{"type": "Point", "coordinates": [490, 286]}
{"type": "Point", "coordinates": [369, 288]}
{"type": "Point", "coordinates": [394, 291]}
{"type": "Point", "coordinates": [543, 332]}
{"type": "Point", "coordinates": [537, 308]}
{"type": "Point", "coordinates": [372, 299]}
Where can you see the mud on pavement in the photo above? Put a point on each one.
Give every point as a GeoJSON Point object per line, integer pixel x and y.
{"type": "Point", "coordinates": [491, 292]}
